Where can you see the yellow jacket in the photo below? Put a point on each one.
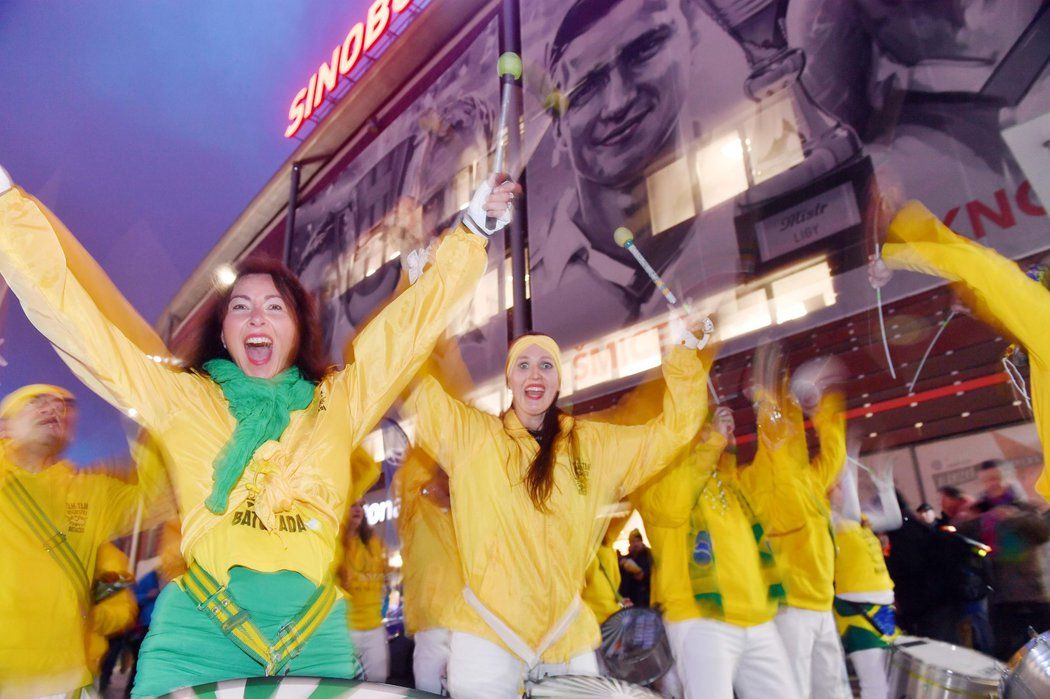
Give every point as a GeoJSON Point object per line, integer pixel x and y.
{"type": "Point", "coordinates": [363, 575]}
{"type": "Point", "coordinates": [42, 648]}
{"type": "Point", "coordinates": [994, 287]}
{"type": "Point", "coordinates": [860, 566]}
{"type": "Point", "coordinates": [672, 505]}
{"type": "Point", "coordinates": [431, 572]}
{"type": "Point", "coordinates": [601, 588]}
{"type": "Point", "coordinates": [285, 512]}
{"type": "Point", "coordinates": [528, 566]}
{"type": "Point", "coordinates": [789, 493]}
{"type": "Point", "coordinates": [114, 614]}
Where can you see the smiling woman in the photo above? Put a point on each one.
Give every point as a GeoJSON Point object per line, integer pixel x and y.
{"type": "Point", "coordinates": [258, 432]}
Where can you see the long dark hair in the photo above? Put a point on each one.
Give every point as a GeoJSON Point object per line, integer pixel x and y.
{"type": "Point", "coordinates": [310, 355]}
{"type": "Point", "coordinates": [539, 480]}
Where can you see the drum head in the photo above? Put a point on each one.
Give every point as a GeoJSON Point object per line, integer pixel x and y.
{"type": "Point", "coordinates": [635, 646]}
{"type": "Point", "coordinates": [572, 686]}
{"type": "Point", "coordinates": [955, 659]}
{"type": "Point", "coordinates": [298, 687]}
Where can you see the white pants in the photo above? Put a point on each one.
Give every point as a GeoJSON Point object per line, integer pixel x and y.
{"type": "Point", "coordinates": [713, 659]}
{"type": "Point", "coordinates": [480, 669]}
{"type": "Point", "coordinates": [870, 666]}
{"type": "Point", "coordinates": [374, 653]}
{"type": "Point", "coordinates": [816, 652]}
{"type": "Point", "coordinates": [430, 659]}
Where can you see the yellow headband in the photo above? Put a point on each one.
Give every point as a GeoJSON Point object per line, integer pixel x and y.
{"type": "Point", "coordinates": [544, 342]}
{"type": "Point", "coordinates": [16, 400]}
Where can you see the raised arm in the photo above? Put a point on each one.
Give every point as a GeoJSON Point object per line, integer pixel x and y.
{"type": "Point", "coordinates": [447, 429]}
{"type": "Point", "coordinates": [829, 422]}
{"type": "Point", "coordinates": [886, 516]}
{"type": "Point", "coordinates": [637, 453]}
{"type": "Point", "coordinates": [84, 328]}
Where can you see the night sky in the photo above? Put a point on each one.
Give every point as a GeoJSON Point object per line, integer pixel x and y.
{"type": "Point", "coordinates": [147, 127]}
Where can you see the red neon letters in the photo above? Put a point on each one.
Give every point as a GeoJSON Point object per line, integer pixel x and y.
{"type": "Point", "coordinates": [361, 37]}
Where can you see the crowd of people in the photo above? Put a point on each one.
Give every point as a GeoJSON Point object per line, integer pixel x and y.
{"type": "Point", "coordinates": [767, 576]}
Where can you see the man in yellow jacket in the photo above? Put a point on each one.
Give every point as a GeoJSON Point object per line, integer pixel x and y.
{"type": "Point", "coordinates": [789, 492]}
{"type": "Point", "coordinates": [432, 573]}
{"type": "Point", "coordinates": [995, 289]}
{"type": "Point", "coordinates": [714, 577]}
{"type": "Point", "coordinates": [53, 519]}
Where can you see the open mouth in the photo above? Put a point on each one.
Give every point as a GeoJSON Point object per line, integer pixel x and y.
{"type": "Point", "coordinates": [259, 349]}
{"type": "Point", "coordinates": [535, 392]}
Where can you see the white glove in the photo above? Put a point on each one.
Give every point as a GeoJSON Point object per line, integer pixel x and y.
{"type": "Point", "coordinates": [5, 180]}
{"type": "Point", "coordinates": [681, 335]}
{"type": "Point", "coordinates": [416, 261]}
{"type": "Point", "coordinates": [879, 273]}
{"type": "Point", "coordinates": [476, 218]}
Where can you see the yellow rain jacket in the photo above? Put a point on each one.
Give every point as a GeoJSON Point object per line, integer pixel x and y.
{"type": "Point", "coordinates": [285, 512]}
{"type": "Point", "coordinates": [860, 566]}
{"type": "Point", "coordinates": [363, 576]}
{"type": "Point", "coordinates": [601, 589]}
{"type": "Point", "coordinates": [114, 614]}
{"type": "Point", "coordinates": [525, 566]}
{"type": "Point", "coordinates": [671, 505]}
{"type": "Point", "coordinates": [789, 493]}
{"type": "Point", "coordinates": [431, 570]}
{"type": "Point", "coordinates": [45, 615]}
{"type": "Point", "coordinates": [994, 287]}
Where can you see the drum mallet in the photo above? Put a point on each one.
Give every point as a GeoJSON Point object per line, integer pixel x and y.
{"type": "Point", "coordinates": [509, 69]}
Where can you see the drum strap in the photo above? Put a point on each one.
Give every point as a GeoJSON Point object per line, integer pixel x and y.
{"type": "Point", "coordinates": [237, 625]}
{"type": "Point", "coordinates": [512, 640]}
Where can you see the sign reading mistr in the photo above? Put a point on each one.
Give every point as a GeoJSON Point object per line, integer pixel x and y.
{"type": "Point", "coordinates": [345, 57]}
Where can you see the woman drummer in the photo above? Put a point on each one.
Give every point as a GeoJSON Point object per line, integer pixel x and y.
{"type": "Point", "coordinates": [259, 434]}
{"type": "Point", "coordinates": [526, 491]}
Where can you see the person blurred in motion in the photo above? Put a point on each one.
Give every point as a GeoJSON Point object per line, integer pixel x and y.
{"type": "Point", "coordinates": [955, 505]}
{"type": "Point", "coordinates": [431, 568]}
{"type": "Point", "coordinates": [526, 491]}
{"type": "Point", "coordinates": [601, 587]}
{"type": "Point", "coordinates": [54, 520]}
{"type": "Point", "coordinates": [993, 287]}
{"type": "Point", "coordinates": [363, 575]}
{"type": "Point", "coordinates": [114, 611]}
{"type": "Point", "coordinates": [1015, 531]}
{"type": "Point", "coordinates": [927, 566]}
{"type": "Point", "coordinates": [863, 587]}
{"type": "Point", "coordinates": [996, 490]}
{"type": "Point", "coordinates": [789, 493]}
{"type": "Point", "coordinates": [926, 513]}
{"type": "Point", "coordinates": [714, 577]}
{"type": "Point", "coordinates": [259, 432]}
{"type": "Point", "coordinates": [637, 567]}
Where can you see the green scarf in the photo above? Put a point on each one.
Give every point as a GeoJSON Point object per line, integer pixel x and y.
{"type": "Point", "coordinates": [703, 570]}
{"type": "Point", "coordinates": [262, 409]}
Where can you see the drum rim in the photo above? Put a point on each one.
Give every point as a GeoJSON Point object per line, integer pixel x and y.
{"type": "Point", "coordinates": [918, 665]}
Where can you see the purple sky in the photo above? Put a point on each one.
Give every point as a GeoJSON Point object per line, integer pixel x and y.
{"type": "Point", "coordinates": [147, 127]}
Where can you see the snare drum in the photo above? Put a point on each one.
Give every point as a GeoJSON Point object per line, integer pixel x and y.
{"type": "Point", "coordinates": [1029, 673]}
{"type": "Point", "coordinates": [921, 668]}
{"type": "Point", "coordinates": [573, 686]}
{"type": "Point", "coordinates": [300, 687]}
{"type": "Point", "coordinates": [635, 646]}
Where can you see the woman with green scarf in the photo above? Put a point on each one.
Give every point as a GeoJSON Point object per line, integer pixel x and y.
{"type": "Point", "coordinates": [258, 431]}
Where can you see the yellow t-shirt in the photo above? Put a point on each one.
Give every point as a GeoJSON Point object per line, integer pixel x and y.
{"type": "Point", "coordinates": [525, 565]}
{"type": "Point", "coordinates": [285, 512]}
{"type": "Point", "coordinates": [860, 566]}
{"type": "Point", "coordinates": [363, 576]}
{"type": "Point", "coordinates": [431, 570]}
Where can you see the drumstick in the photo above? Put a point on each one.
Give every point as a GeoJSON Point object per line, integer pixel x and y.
{"type": "Point", "coordinates": [926, 355]}
{"type": "Point", "coordinates": [625, 239]}
{"type": "Point", "coordinates": [509, 69]}
{"type": "Point", "coordinates": [882, 321]}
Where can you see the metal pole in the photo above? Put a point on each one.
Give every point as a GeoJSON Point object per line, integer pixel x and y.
{"type": "Point", "coordinates": [289, 220]}
{"type": "Point", "coordinates": [510, 40]}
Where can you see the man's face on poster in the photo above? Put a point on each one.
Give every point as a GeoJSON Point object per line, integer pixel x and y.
{"type": "Point", "coordinates": [625, 79]}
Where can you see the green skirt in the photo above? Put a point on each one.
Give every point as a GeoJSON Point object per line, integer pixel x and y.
{"type": "Point", "coordinates": [185, 647]}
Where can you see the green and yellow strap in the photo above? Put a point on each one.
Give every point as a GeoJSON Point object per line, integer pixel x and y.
{"type": "Point", "coordinates": [51, 537]}
{"type": "Point", "coordinates": [237, 625]}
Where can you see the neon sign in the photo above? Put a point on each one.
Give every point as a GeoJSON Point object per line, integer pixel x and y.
{"type": "Point", "coordinates": [345, 57]}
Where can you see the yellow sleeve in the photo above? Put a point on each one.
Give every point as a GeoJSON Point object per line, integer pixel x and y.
{"type": "Point", "coordinates": [364, 473]}
{"type": "Point", "coordinates": [773, 473]}
{"type": "Point", "coordinates": [97, 350]}
{"type": "Point", "coordinates": [447, 429]}
{"type": "Point", "coordinates": [996, 289]}
{"type": "Point", "coordinates": [117, 612]}
{"type": "Point", "coordinates": [830, 424]}
{"type": "Point", "coordinates": [150, 497]}
{"type": "Point", "coordinates": [637, 453]}
{"type": "Point", "coordinates": [415, 472]}
{"type": "Point", "coordinates": [393, 346]}
{"type": "Point", "coordinates": [668, 499]}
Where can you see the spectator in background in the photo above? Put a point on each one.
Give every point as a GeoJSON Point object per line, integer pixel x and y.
{"type": "Point", "coordinates": [1015, 532]}
{"type": "Point", "coordinates": [636, 569]}
{"type": "Point", "coordinates": [954, 505]}
{"type": "Point", "coordinates": [926, 513]}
